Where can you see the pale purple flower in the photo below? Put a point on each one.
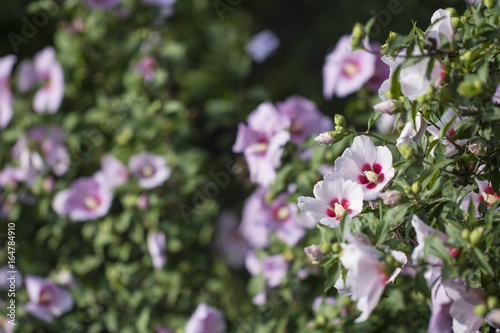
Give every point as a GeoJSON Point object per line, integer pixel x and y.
{"type": "Point", "coordinates": [86, 199]}
{"type": "Point", "coordinates": [493, 318]}
{"type": "Point", "coordinates": [334, 197]}
{"type": "Point", "coordinates": [465, 300]}
{"type": "Point", "coordinates": [146, 67]}
{"type": "Point", "coordinates": [433, 271]}
{"type": "Point", "coordinates": [143, 201]}
{"type": "Point", "coordinates": [448, 116]}
{"type": "Point", "coordinates": [66, 279]}
{"type": "Point", "coordinates": [157, 244]}
{"type": "Point", "coordinates": [260, 219]}
{"type": "Point", "coordinates": [206, 319]}
{"type": "Point", "coordinates": [381, 72]}
{"type": "Point", "coordinates": [150, 170]}
{"type": "Point", "coordinates": [103, 4]}
{"type": "Point", "coordinates": [6, 112]}
{"type": "Point", "coordinates": [441, 26]}
{"type": "Point", "coordinates": [46, 300]}
{"type": "Point", "coordinates": [385, 123]}
{"type": "Point", "coordinates": [305, 118]}
{"type": "Point", "coordinates": [273, 268]}
{"type": "Point", "coordinates": [10, 278]}
{"type": "Point", "coordinates": [48, 71]}
{"type": "Point", "coordinates": [385, 107]}
{"type": "Point", "coordinates": [409, 134]}
{"type": "Point", "coordinates": [367, 165]}
{"type": "Point", "coordinates": [115, 173]}
{"type": "Point", "coordinates": [50, 140]}
{"type": "Point", "coordinates": [11, 176]}
{"type": "Point", "coordinates": [260, 46]}
{"type": "Point", "coordinates": [346, 71]}
{"type": "Point", "coordinates": [367, 276]}
{"type": "Point", "coordinates": [441, 320]}
{"type": "Point", "coordinates": [262, 142]}
{"type": "Point", "coordinates": [314, 253]}
{"type": "Point", "coordinates": [26, 76]}
{"type": "Point", "coordinates": [229, 240]}
{"type": "Point", "coordinates": [496, 97]}
{"type": "Point", "coordinates": [318, 301]}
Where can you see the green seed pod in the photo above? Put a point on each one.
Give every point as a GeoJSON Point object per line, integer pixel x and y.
{"type": "Point", "coordinates": [476, 235]}
{"type": "Point", "coordinates": [339, 120]}
{"type": "Point", "coordinates": [481, 310]}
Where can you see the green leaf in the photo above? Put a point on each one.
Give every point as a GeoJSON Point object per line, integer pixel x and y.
{"type": "Point", "coordinates": [332, 275]}
{"type": "Point", "coordinates": [373, 118]}
{"type": "Point", "coordinates": [390, 219]}
{"type": "Point", "coordinates": [143, 320]}
{"type": "Point", "coordinates": [434, 246]}
{"type": "Point", "coordinates": [483, 261]}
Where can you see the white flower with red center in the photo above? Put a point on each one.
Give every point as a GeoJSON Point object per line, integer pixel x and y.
{"type": "Point", "coordinates": [334, 197]}
{"type": "Point", "coordinates": [367, 165]}
{"type": "Point", "coordinates": [367, 275]}
{"type": "Point", "coordinates": [449, 116]}
{"type": "Point", "coordinates": [486, 194]}
{"type": "Point", "coordinates": [441, 26]}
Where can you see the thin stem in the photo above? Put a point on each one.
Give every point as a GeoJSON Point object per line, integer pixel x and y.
{"type": "Point", "coordinates": [375, 136]}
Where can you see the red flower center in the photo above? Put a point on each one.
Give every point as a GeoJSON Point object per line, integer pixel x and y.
{"type": "Point", "coordinates": [371, 175]}
{"type": "Point", "coordinates": [338, 209]}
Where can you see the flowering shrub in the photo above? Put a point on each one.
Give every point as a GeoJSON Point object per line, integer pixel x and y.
{"type": "Point", "coordinates": [170, 167]}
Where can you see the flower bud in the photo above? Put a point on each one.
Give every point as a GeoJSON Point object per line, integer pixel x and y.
{"type": "Point", "coordinates": [314, 253]}
{"type": "Point", "coordinates": [456, 22]}
{"type": "Point", "coordinates": [490, 3]}
{"type": "Point", "coordinates": [407, 151]}
{"type": "Point", "coordinates": [466, 56]}
{"type": "Point", "coordinates": [321, 320]}
{"type": "Point", "coordinates": [416, 187]}
{"type": "Point", "coordinates": [385, 107]}
{"type": "Point", "coordinates": [465, 234]}
{"type": "Point", "coordinates": [339, 120]}
{"type": "Point", "coordinates": [325, 247]}
{"type": "Point", "coordinates": [390, 197]}
{"type": "Point", "coordinates": [475, 235]}
{"type": "Point", "coordinates": [358, 31]}
{"type": "Point", "coordinates": [481, 310]}
{"type": "Point", "coordinates": [325, 138]}
{"type": "Point", "coordinates": [453, 11]}
{"type": "Point", "coordinates": [492, 302]}
{"type": "Point", "coordinates": [469, 89]}
{"type": "Point", "coordinates": [336, 248]}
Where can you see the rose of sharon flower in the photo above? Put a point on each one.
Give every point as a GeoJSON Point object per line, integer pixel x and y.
{"type": "Point", "coordinates": [413, 79]}
{"type": "Point", "coordinates": [333, 198]}
{"type": "Point", "coordinates": [157, 243]}
{"type": "Point", "coordinates": [381, 72]}
{"type": "Point", "coordinates": [260, 219]}
{"type": "Point", "coordinates": [366, 276]}
{"type": "Point", "coordinates": [6, 112]}
{"type": "Point", "coordinates": [435, 131]}
{"type": "Point", "coordinates": [103, 4]}
{"type": "Point", "coordinates": [274, 268]}
{"type": "Point", "coordinates": [465, 300]}
{"type": "Point", "coordinates": [151, 170]}
{"type": "Point", "coordinates": [206, 319]}
{"type": "Point", "coordinates": [409, 134]}
{"type": "Point", "coordinates": [496, 96]}
{"type": "Point", "coordinates": [260, 46]}
{"type": "Point", "coordinates": [441, 320]}
{"type": "Point", "coordinates": [305, 118]}
{"type": "Point", "coordinates": [346, 71]}
{"type": "Point", "coordinates": [86, 199]}
{"type": "Point", "coordinates": [262, 142]}
{"type": "Point", "coordinates": [441, 25]}
{"type": "Point", "coordinates": [47, 301]}
{"type": "Point", "coordinates": [486, 195]}
{"type": "Point", "coordinates": [113, 171]}
{"type": "Point", "coordinates": [367, 165]}
{"type": "Point", "coordinates": [229, 240]}
{"type": "Point", "coordinates": [45, 69]}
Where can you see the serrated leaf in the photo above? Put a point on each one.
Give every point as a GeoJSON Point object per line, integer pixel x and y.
{"type": "Point", "coordinates": [483, 261]}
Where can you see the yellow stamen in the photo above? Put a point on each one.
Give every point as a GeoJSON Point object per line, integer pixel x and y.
{"type": "Point", "coordinates": [371, 176]}
{"type": "Point", "coordinates": [147, 171]}
{"type": "Point", "coordinates": [283, 213]}
{"type": "Point", "coordinates": [260, 147]}
{"type": "Point", "coordinates": [490, 199]}
{"type": "Point", "coordinates": [351, 69]}
{"type": "Point", "coordinates": [339, 210]}
{"type": "Point", "coordinates": [91, 203]}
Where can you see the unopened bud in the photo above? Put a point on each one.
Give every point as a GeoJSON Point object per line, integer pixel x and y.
{"type": "Point", "coordinates": [416, 187]}
{"type": "Point", "coordinates": [336, 248]}
{"type": "Point", "coordinates": [407, 151]}
{"type": "Point", "coordinates": [475, 235]}
{"type": "Point", "coordinates": [390, 197]}
{"type": "Point", "coordinates": [314, 253]}
{"type": "Point", "coordinates": [385, 107]}
{"type": "Point", "coordinates": [321, 320]}
{"type": "Point", "coordinates": [490, 3]}
{"type": "Point", "coordinates": [466, 56]}
{"type": "Point", "coordinates": [475, 149]}
{"type": "Point", "coordinates": [481, 310]}
{"type": "Point", "coordinates": [456, 22]}
{"type": "Point", "coordinates": [465, 234]}
{"type": "Point", "coordinates": [468, 89]}
{"type": "Point", "coordinates": [492, 302]}
{"type": "Point", "coordinates": [339, 120]}
{"type": "Point", "coordinates": [453, 11]}
{"type": "Point", "coordinates": [325, 138]}
{"type": "Point", "coordinates": [325, 247]}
